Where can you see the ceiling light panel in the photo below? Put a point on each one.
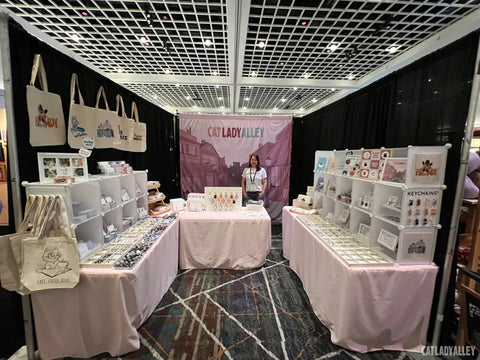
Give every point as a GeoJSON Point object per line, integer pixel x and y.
{"type": "Point", "coordinates": [271, 98]}
{"type": "Point", "coordinates": [300, 37]}
{"type": "Point", "coordinates": [112, 30]}
{"type": "Point", "coordinates": [183, 96]}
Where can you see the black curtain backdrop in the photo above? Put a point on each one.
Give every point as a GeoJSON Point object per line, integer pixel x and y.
{"type": "Point", "coordinates": [425, 103]}
{"type": "Point", "coordinates": [161, 158]}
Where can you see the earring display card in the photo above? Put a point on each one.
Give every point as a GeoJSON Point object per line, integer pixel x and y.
{"type": "Point", "coordinates": [55, 165]}
{"type": "Point", "coordinates": [422, 206]}
{"type": "Point", "coordinates": [223, 198]}
{"type": "Point", "coordinates": [372, 162]}
{"type": "Point", "coordinates": [351, 165]}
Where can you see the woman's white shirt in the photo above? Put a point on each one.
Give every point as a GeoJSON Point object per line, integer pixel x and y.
{"type": "Point", "coordinates": [253, 178]}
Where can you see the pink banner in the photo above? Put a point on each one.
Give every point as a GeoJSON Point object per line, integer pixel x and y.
{"type": "Point", "coordinates": [214, 150]}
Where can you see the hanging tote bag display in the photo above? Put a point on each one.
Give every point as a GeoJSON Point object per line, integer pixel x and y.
{"type": "Point", "coordinates": [81, 119]}
{"type": "Point", "coordinates": [106, 122]}
{"type": "Point", "coordinates": [139, 137]}
{"type": "Point", "coordinates": [45, 113]}
{"type": "Point", "coordinates": [50, 259]}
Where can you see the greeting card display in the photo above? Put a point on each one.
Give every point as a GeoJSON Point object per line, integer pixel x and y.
{"type": "Point", "coordinates": [372, 163]}
{"type": "Point", "coordinates": [319, 184]}
{"type": "Point", "coordinates": [395, 170]}
{"type": "Point", "coordinates": [54, 166]}
{"type": "Point", "coordinates": [364, 230]}
{"type": "Point", "coordinates": [321, 164]}
{"type": "Point", "coordinates": [223, 198]}
{"type": "Point", "coordinates": [388, 239]}
{"type": "Point", "coordinates": [333, 165]}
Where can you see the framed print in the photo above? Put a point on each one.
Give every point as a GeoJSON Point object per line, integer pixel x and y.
{"type": "Point", "coordinates": [426, 165]}
{"type": "Point", "coordinates": [395, 170]}
{"type": "Point", "coordinates": [364, 230]}
{"type": "Point", "coordinates": [61, 166]}
{"type": "Point", "coordinates": [387, 239]}
{"type": "Point", "coordinates": [416, 246]}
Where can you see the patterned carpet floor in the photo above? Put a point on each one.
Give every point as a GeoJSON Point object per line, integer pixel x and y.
{"type": "Point", "coordinates": [256, 314]}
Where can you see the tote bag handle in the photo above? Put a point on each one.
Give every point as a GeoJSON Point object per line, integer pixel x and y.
{"type": "Point", "coordinates": [74, 85]}
{"type": "Point", "coordinates": [42, 76]}
{"type": "Point", "coordinates": [101, 93]}
{"type": "Point", "coordinates": [134, 116]}
{"type": "Point", "coordinates": [122, 106]}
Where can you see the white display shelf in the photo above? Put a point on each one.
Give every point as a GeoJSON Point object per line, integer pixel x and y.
{"type": "Point", "coordinates": [401, 213]}
{"type": "Point", "coordinates": [86, 197]}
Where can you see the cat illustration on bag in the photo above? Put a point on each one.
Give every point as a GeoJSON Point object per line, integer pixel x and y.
{"type": "Point", "coordinates": [41, 120]}
{"type": "Point", "coordinates": [54, 263]}
{"type": "Point", "coordinates": [76, 130]}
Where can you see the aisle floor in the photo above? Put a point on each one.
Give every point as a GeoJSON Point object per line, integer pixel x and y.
{"type": "Point", "coordinates": [262, 313]}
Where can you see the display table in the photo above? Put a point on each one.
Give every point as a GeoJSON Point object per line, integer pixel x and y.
{"type": "Point", "coordinates": [365, 308]}
{"type": "Point", "coordinates": [102, 313]}
{"type": "Point", "coordinates": [224, 239]}
{"type": "Point", "coordinates": [287, 230]}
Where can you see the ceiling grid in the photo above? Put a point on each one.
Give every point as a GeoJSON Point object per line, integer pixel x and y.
{"type": "Point", "coordinates": [158, 48]}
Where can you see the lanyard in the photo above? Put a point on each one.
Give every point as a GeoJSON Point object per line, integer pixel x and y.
{"type": "Point", "coordinates": [252, 178]}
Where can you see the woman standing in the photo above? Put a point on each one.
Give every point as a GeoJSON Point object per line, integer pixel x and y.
{"type": "Point", "coordinates": [254, 180]}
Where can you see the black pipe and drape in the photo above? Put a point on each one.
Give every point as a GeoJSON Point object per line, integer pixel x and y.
{"type": "Point", "coordinates": [425, 103]}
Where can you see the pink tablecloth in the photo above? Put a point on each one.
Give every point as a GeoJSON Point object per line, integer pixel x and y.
{"type": "Point", "coordinates": [369, 308]}
{"type": "Point", "coordinates": [287, 230]}
{"type": "Point", "coordinates": [224, 239]}
{"type": "Point", "coordinates": [102, 313]}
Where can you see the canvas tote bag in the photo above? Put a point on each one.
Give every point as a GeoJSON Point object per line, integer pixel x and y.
{"type": "Point", "coordinates": [139, 137]}
{"type": "Point", "coordinates": [106, 122]}
{"type": "Point", "coordinates": [81, 119]}
{"type": "Point", "coordinates": [10, 250]}
{"type": "Point", "coordinates": [50, 259]}
{"type": "Point", "coordinates": [45, 112]}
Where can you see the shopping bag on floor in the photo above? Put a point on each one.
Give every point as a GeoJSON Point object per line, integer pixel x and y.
{"type": "Point", "coordinates": [45, 112]}
{"type": "Point", "coordinates": [81, 119]}
{"type": "Point", "coordinates": [106, 122]}
{"type": "Point", "coordinates": [50, 259]}
{"type": "Point", "coordinates": [138, 142]}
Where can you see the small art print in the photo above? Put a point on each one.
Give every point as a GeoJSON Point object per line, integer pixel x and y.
{"type": "Point", "coordinates": [388, 239]}
{"type": "Point", "coordinates": [321, 164]}
{"type": "Point", "coordinates": [427, 168]}
{"type": "Point", "coordinates": [395, 170]}
{"type": "Point", "coordinates": [333, 165]}
{"type": "Point", "coordinates": [417, 245]}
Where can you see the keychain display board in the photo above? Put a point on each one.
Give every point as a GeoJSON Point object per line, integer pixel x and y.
{"type": "Point", "coordinates": [392, 203]}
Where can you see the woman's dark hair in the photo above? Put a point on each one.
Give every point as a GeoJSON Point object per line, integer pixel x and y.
{"type": "Point", "coordinates": [250, 161]}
